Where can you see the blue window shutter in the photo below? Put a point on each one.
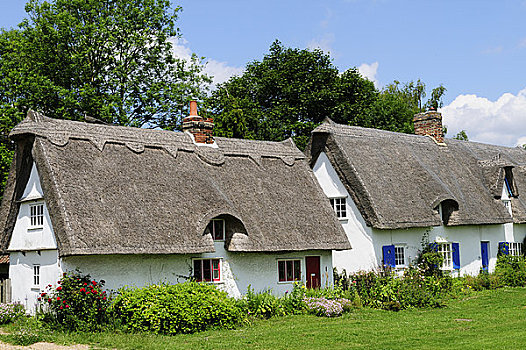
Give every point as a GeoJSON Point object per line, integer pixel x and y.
{"type": "Point", "coordinates": [456, 255]}
{"type": "Point", "coordinates": [389, 255]}
{"type": "Point", "coordinates": [503, 248]}
{"type": "Point", "coordinates": [433, 246]}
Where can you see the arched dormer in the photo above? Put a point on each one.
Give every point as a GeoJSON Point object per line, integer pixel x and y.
{"type": "Point", "coordinates": [445, 209]}
{"type": "Point", "coordinates": [224, 227]}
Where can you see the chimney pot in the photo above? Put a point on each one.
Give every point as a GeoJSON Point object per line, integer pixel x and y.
{"type": "Point", "coordinates": [193, 108]}
{"type": "Point", "coordinates": [199, 127]}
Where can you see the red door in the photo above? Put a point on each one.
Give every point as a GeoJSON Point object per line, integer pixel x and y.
{"type": "Point", "coordinates": [313, 271]}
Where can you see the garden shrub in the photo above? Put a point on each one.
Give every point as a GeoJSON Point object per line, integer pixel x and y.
{"type": "Point", "coordinates": [170, 309]}
{"type": "Point", "coordinates": [11, 312]}
{"type": "Point", "coordinates": [76, 303]}
{"type": "Point", "coordinates": [511, 270]}
{"type": "Point", "coordinates": [266, 305]}
{"type": "Point", "coordinates": [293, 303]}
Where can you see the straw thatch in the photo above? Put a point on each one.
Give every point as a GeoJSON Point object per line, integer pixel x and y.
{"type": "Point", "coordinates": [118, 190]}
{"type": "Point", "coordinates": [397, 180]}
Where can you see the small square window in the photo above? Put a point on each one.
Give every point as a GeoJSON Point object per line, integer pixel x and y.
{"type": "Point", "coordinates": [515, 248]}
{"type": "Point", "coordinates": [340, 207]}
{"type": "Point", "coordinates": [36, 215]}
{"type": "Point", "coordinates": [207, 270]}
{"type": "Point", "coordinates": [289, 270]}
{"type": "Point", "coordinates": [216, 227]}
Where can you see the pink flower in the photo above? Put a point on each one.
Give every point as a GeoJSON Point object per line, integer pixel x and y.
{"type": "Point", "coordinates": [67, 306]}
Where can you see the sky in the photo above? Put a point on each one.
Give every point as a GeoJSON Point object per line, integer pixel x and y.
{"type": "Point", "coordinates": [476, 49]}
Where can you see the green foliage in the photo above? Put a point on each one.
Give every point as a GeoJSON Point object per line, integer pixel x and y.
{"type": "Point", "coordinates": [77, 303]}
{"type": "Point", "coordinates": [10, 312]}
{"type": "Point", "coordinates": [428, 260]}
{"type": "Point", "coordinates": [170, 309]}
{"type": "Point", "coordinates": [461, 135]}
{"type": "Point", "coordinates": [287, 94]}
{"type": "Point", "coordinates": [111, 60]}
{"type": "Point", "coordinates": [511, 270]}
{"type": "Point", "coordinates": [263, 304]}
{"type": "Point", "coordinates": [27, 331]}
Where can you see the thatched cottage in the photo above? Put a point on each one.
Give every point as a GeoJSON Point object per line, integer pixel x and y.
{"type": "Point", "coordinates": [392, 192]}
{"type": "Point", "coordinates": [135, 206]}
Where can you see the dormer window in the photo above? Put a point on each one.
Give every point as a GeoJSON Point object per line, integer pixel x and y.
{"type": "Point", "coordinates": [216, 227]}
{"type": "Point", "coordinates": [508, 189]}
{"type": "Point", "coordinates": [340, 207]}
{"type": "Point", "coordinates": [446, 208]}
{"type": "Point", "coordinates": [36, 215]}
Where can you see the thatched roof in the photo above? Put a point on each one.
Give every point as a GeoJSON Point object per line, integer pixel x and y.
{"type": "Point", "coordinates": [397, 180]}
{"type": "Point", "coordinates": [118, 190]}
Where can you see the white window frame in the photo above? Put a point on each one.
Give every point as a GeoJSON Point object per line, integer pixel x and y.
{"type": "Point", "coordinates": [507, 204]}
{"type": "Point", "coordinates": [445, 249]}
{"type": "Point", "coordinates": [213, 227]}
{"type": "Point", "coordinates": [400, 262]}
{"type": "Point", "coordinates": [36, 215]}
{"type": "Point", "coordinates": [514, 248]}
{"type": "Point", "coordinates": [36, 275]}
{"type": "Point", "coordinates": [202, 261]}
{"type": "Point", "coordinates": [294, 278]}
{"type": "Point", "coordinates": [339, 205]}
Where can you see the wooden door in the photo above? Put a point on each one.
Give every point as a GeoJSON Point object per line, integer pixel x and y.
{"type": "Point", "coordinates": [313, 271]}
{"type": "Point", "coordinates": [484, 255]}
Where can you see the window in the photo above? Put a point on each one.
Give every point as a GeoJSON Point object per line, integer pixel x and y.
{"type": "Point", "coordinates": [216, 227]}
{"type": "Point", "coordinates": [289, 270]}
{"type": "Point", "coordinates": [36, 215]}
{"type": "Point", "coordinates": [36, 275]}
{"type": "Point", "coordinates": [208, 270]}
{"type": "Point", "coordinates": [340, 207]}
{"type": "Point", "coordinates": [510, 248]}
{"type": "Point", "coordinates": [399, 256]}
{"type": "Point", "coordinates": [507, 204]}
{"type": "Point", "coordinates": [445, 250]}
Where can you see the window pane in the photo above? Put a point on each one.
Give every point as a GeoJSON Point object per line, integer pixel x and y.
{"type": "Point", "coordinates": [215, 269]}
{"type": "Point", "coordinates": [218, 229]}
{"type": "Point", "coordinates": [207, 272]}
{"type": "Point", "coordinates": [281, 270]}
{"type": "Point", "coordinates": [297, 270]}
{"type": "Point", "coordinates": [198, 273]}
{"type": "Point", "coordinates": [290, 270]}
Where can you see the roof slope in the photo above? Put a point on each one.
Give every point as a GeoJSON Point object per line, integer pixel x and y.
{"type": "Point", "coordinates": [118, 190]}
{"type": "Point", "coordinates": [397, 180]}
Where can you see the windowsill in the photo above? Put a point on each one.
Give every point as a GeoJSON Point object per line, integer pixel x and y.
{"type": "Point", "coordinates": [35, 288]}
{"type": "Point", "coordinates": [36, 228]}
{"type": "Point", "coordinates": [343, 219]}
{"type": "Point", "coordinates": [288, 282]}
{"type": "Point", "coordinates": [212, 282]}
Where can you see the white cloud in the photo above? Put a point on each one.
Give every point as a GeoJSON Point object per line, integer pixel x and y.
{"type": "Point", "coordinates": [220, 71]}
{"type": "Point", "coordinates": [500, 122]}
{"type": "Point", "coordinates": [369, 71]}
{"type": "Point", "coordinates": [323, 42]}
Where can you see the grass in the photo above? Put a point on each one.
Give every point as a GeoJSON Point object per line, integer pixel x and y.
{"type": "Point", "coordinates": [494, 319]}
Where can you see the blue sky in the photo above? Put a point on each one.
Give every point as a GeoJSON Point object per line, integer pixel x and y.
{"type": "Point", "coordinates": [476, 49]}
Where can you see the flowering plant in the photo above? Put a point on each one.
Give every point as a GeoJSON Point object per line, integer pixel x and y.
{"type": "Point", "coordinates": [327, 307]}
{"type": "Point", "coordinates": [76, 303]}
{"type": "Point", "coordinates": [10, 312]}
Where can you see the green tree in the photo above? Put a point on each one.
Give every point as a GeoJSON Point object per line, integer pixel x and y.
{"type": "Point", "coordinates": [461, 135]}
{"type": "Point", "coordinates": [110, 59]}
{"type": "Point", "coordinates": [287, 94]}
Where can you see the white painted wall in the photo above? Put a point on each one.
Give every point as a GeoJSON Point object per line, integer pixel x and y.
{"type": "Point", "coordinates": [21, 274]}
{"type": "Point", "coordinates": [238, 270]}
{"type": "Point", "coordinates": [367, 242]}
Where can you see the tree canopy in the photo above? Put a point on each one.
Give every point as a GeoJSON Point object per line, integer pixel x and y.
{"type": "Point", "coordinates": [109, 59]}
{"type": "Point", "coordinates": [290, 91]}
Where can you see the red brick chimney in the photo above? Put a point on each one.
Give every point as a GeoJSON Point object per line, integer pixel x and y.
{"type": "Point", "coordinates": [199, 127]}
{"type": "Point", "coordinates": [429, 123]}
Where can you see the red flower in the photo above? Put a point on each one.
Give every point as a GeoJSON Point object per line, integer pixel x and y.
{"type": "Point", "coordinates": [61, 308]}
{"type": "Point", "coordinates": [63, 301]}
{"type": "Point", "coordinates": [59, 288]}
{"type": "Point", "coordinates": [43, 294]}
{"type": "Point", "coordinates": [39, 299]}
{"type": "Point", "coordinates": [94, 283]}
{"type": "Point", "coordinates": [104, 298]}
{"type": "Point", "coordinates": [58, 298]}
{"type": "Point", "coordinates": [85, 284]}
{"type": "Point", "coordinates": [82, 289]}
{"type": "Point", "coordinates": [94, 291]}
{"type": "Point", "coordinates": [87, 292]}
{"type": "Point", "coordinates": [59, 282]}
{"type": "Point", "coordinates": [49, 301]}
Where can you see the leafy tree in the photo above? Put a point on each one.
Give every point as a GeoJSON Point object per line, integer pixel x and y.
{"type": "Point", "coordinates": [461, 135]}
{"type": "Point", "coordinates": [286, 95]}
{"type": "Point", "coordinates": [110, 59]}
{"type": "Point", "coordinates": [290, 91]}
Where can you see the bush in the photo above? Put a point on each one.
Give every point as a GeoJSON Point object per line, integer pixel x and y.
{"type": "Point", "coordinates": [265, 304]}
{"type": "Point", "coordinates": [327, 307]}
{"type": "Point", "coordinates": [170, 309]}
{"type": "Point", "coordinates": [511, 270]}
{"type": "Point", "coordinates": [10, 312]}
{"type": "Point", "coordinates": [77, 303]}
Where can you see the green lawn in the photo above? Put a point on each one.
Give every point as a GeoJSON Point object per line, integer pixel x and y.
{"type": "Point", "coordinates": [484, 320]}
